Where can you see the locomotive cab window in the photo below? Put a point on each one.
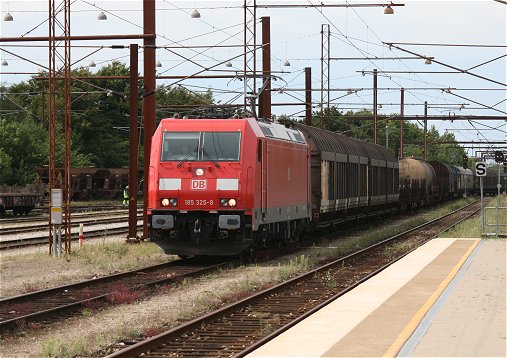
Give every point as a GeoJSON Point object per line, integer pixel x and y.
{"type": "Point", "coordinates": [220, 146]}
{"type": "Point", "coordinates": [180, 146]}
{"type": "Point", "coordinates": [201, 146]}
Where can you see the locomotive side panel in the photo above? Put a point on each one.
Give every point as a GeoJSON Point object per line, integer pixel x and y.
{"type": "Point", "coordinates": [287, 181]}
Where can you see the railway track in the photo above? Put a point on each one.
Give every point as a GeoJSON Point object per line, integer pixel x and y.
{"type": "Point", "coordinates": [50, 305]}
{"type": "Point", "coordinates": [240, 328]}
{"type": "Point", "coordinates": [43, 240]}
{"type": "Point", "coordinates": [38, 233]}
{"type": "Point", "coordinates": [43, 211]}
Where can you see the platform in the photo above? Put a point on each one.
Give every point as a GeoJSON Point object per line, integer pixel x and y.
{"type": "Point", "coordinates": [446, 299]}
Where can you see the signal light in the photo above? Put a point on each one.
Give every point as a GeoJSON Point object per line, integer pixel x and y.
{"type": "Point", "coordinates": [499, 158]}
{"type": "Point", "coordinates": [465, 162]}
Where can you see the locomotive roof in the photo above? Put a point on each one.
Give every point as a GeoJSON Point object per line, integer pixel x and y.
{"type": "Point", "coordinates": [267, 128]}
{"type": "Point", "coordinates": [280, 131]}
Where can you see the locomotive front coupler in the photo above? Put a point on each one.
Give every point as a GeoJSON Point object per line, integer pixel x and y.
{"type": "Point", "coordinates": [197, 226]}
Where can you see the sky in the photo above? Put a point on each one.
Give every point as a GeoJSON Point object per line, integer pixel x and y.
{"type": "Point", "coordinates": [474, 76]}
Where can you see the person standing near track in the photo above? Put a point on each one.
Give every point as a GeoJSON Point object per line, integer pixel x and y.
{"type": "Point", "coordinates": [126, 195]}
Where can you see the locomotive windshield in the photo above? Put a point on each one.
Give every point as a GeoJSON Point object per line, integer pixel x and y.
{"type": "Point", "coordinates": [201, 146]}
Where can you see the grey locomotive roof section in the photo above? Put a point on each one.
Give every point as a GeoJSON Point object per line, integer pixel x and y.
{"type": "Point", "coordinates": [279, 131]}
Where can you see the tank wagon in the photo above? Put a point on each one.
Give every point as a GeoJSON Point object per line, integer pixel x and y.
{"type": "Point", "coordinates": [21, 200]}
{"type": "Point", "coordinates": [218, 187]}
{"type": "Point", "coordinates": [417, 183]}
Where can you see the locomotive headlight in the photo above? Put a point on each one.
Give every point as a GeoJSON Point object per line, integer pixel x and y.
{"type": "Point", "coordinates": [228, 202]}
{"type": "Point", "coordinates": [199, 172]}
{"type": "Point", "coordinates": [170, 202]}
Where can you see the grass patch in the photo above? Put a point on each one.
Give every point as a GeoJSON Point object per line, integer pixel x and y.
{"type": "Point", "coordinates": [376, 232]}
{"type": "Point", "coordinates": [293, 267]}
{"type": "Point", "coordinates": [472, 228]}
{"type": "Point", "coordinates": [55, 348]}
{"type": "Point", "coordinates": [114, 256]}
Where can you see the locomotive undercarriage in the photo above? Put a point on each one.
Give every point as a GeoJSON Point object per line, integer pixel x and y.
{"type": "Point", "coordinates": [280, 233]}
{"type": "Point", "coordinates": [201, 233]}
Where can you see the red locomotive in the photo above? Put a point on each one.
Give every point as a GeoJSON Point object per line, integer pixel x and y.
{"type": "Point", "coordinates": [218, 187]}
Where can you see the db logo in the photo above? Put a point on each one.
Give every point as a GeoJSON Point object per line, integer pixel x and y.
{"type": "Point", "coordinates": [198, 185]}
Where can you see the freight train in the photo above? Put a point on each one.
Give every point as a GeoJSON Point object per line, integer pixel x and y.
{"type": "Point", "coordinates": [93, 183]}
{"type": "Point", "coordinates": [221, 186]}
{"type": "Point", "coordinates": [21, 200]}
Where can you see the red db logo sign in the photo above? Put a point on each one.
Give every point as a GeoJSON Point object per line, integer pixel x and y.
{"type": "Point", "coordinates": [198, 184]}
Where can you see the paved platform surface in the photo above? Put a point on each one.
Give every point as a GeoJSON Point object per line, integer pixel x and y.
{"type": "Point", "coordinates": [446, 299]}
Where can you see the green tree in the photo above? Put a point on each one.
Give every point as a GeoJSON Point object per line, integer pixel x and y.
{"type": "Point", "coordinates": [24, 144]}
{"type": "Point", "coordinates": [100, 120]}
{"type": "Point", "coordinates": [5, 167]}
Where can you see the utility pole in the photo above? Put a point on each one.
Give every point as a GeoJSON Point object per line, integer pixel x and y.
{"type": "Point", "coordinates": [249, 51]}
{"type": "Point", "coordinates": [425, 149]}
{"type": "Point", "coordinates": [265, 96]}
{"type": "Point", "coordinates": [132, 236]}
{"type": "Point", "coordinates": [149, 98]}
{"type": "Point", "coordinates": [402, 113]}
{"type": "Point", "coordinates": [375, 106]}
{"type": "Point", "coordinates": [324, 76]}
{"type": "Point", "coordinates": [308, 96]}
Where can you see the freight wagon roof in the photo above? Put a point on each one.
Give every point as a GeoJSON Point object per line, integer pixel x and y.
{"type": "Point", "coordinates": [324, 140]}
{"type": "Point", "coordinates": [442, 168]}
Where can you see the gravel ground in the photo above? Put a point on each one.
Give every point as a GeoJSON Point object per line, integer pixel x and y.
{"type": "Point", "coordinates": [20, 269]}
{"type": "Point", "coordinates": [99, 329]}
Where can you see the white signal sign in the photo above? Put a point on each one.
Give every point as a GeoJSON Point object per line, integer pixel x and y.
{"type": "Point", "coordinates": [480, 169]}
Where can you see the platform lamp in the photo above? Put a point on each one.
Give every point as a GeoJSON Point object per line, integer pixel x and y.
{"type": "Point", "coordinates": [388, 10]}
{"type": "Point", "coordinates": [195, 14]}
{"type": "Point", "coordinates": [101, 16]}
{"type": "Point", "coordinates": [8, 17]}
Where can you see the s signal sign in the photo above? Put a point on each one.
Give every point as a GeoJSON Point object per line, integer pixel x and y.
{"type": "Point", "coordinates": [480, 169]}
